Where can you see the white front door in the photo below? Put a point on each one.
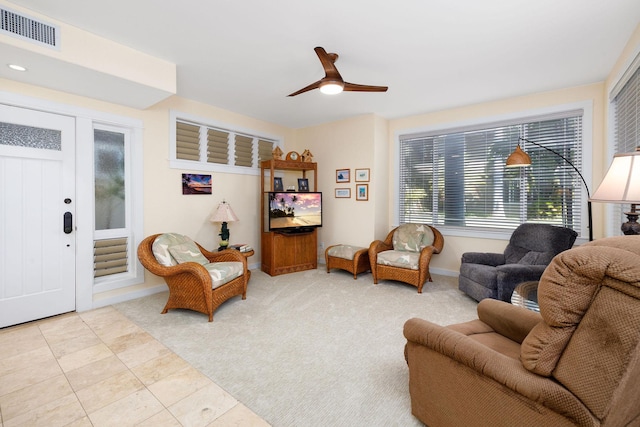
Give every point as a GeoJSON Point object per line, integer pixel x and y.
{"type": "Point", "coordinates": [37, 215]}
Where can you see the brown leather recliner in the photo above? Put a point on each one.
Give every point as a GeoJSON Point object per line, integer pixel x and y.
{"type": "Point", "coordinates": [575, 363]}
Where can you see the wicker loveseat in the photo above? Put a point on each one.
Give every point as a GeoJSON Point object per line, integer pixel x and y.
{"type": "Point", "coordinates": [575, 363]}
{"type": "Point", "coordinates": [198, 280]}
{"type": "Point", "coordinates": [405, 254]}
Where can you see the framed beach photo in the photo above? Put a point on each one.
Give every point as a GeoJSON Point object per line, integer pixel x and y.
{"type": "Point", "coordinates": [343, 175]}
{"type": "Point", "coordinates": [362, 192]}
{"type": "Point", "coordinates": [277, 184]}
{"type": "Point", "coordinates": [196, 183]}
{"type": "Point", "coordinates": [362, 175]}
{"type": "Point", "coordinates": [343, 193]}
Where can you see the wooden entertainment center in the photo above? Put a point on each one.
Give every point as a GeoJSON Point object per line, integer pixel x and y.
{"type": "Point", "coordinates": [283, 252]}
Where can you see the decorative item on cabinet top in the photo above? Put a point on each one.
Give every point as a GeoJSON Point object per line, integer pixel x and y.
{"type": "Point", "coordinates": [277, 153]}
{"type": "Point", "coordinates": [293, 156]}
{"type": "Point", "coordinates": [307, 156]}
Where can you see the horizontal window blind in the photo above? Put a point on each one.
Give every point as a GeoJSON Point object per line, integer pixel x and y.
{"type": "Point", "coordinates": [110, 257]}
{"type": "Point", "coordinates": [187, 141]}
{"type": "Point", "coordinates": [627, 131]}
{"type": "Point", "coordinates": [460, 178]}
{"type": "Point", "coordinates": [265, 150]}
{"type": "Point", "coordinates": [208, 145]}
{"type": "Point", "coordinates": [244, 151]}
{"type": "Point", "coordinates": [217, 146]}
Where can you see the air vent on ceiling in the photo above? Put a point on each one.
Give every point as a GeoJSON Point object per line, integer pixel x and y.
{"type": "Point", "coordinates": [27, 28]}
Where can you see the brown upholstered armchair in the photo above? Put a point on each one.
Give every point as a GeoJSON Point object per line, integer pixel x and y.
{"type": "Point", "coordinates": [405, 254]}
{"type": "Point", "coordinates": [575, 363]}
{"type": "Point", "coordinates": [198, 280]}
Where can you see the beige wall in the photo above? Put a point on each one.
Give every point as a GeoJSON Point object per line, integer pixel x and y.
{"type": "Point", "coordinates": [353, 143]}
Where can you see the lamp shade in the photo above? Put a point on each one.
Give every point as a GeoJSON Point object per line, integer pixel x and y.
{"type": "Point", "coordinates": [518, 158]}
{"type": "Point", "coordinates": [224, 213]}
{"type": "Point", "coordinates": [621, 184]}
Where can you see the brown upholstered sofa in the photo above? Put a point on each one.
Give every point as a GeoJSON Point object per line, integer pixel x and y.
{"type": "Point", "coordinates": [575, 363]}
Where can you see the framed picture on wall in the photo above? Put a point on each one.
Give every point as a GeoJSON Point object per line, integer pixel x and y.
{"type": "Point", "coordinates": [343, 193]}
{"type": "Point", "coordinates": [362, 175]}
{"type": "Point", "coordinates": [343, 175]}
{"type": "Point", "coordinates": [362, 192]}
{"type": "Point", "coordinates": [196, 184]}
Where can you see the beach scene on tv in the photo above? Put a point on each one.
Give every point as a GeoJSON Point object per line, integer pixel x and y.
{"type": "Point", "coordinates": [295, 210]}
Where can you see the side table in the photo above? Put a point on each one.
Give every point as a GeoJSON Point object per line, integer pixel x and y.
{"type": "Point", "coordinates": [526, 295]}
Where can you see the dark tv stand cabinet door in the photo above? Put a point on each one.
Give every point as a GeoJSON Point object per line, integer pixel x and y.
{"type": "Point", "coordinates": [287, 253]}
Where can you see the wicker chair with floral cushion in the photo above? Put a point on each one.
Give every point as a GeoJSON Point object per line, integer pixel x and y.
{"type": "Point", "coordinates": [198, 280]}
{"type": "Point", "coordinates": [405, 254]}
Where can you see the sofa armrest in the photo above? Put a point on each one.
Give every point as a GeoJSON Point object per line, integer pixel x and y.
{"type": "Point", "coordinates": [493, 259]}
{"type": "Point", "coordinates": [508, 320]}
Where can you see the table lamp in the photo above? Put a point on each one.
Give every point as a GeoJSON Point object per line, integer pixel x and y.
{"type": "Point", "coordinates": [224, 214]}
{"type": "Point", "coordinates": [621, 184]}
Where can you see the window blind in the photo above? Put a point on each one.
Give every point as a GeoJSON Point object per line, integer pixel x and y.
{"type": "Point", "coordinates": [109, 256]}
{"type": "Point", "coordinates": [627, 131]}
{"type": "Point", "coordinates": [217, 146]}
{"type": "Point", "coordinates": [187, 141]}
{"type": "Point", "coordinates": [459, 178]}
{"type": "Point", "coordinates": [265, 150]}
{"type": "Point", "coordinates": [244, 150]}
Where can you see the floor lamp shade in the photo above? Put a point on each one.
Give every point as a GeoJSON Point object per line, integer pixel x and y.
{"type": "Point", "coordinates": [621, 184]}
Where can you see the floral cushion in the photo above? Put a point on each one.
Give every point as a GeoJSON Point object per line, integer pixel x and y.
{"type": "Point", "coordinates": [412, 237]}
{"type": "Point", "coordinates": [402, 259]}
{"type": "Point", "coordinates": [223, 272]}
{"type": "Point", "coordinates": [161, 246]}
{"type": "Point", "coordinates": [344, 251]}
{"type": "Point", "coordinates": [187, 252]}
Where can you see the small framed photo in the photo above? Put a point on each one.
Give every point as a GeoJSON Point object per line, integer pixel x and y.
{"type": "Point", "coordinates": [303, 184]}
{"type": "Point", "coordinates": [343, 193]}
{"type": "Point", "coordinates": [362, 175]}
{"type": "Point", "coordinates": [196, 183]}
{"type": "Point", "coordinates": [362, 192]}
{"type": "Point", "coordinates": [277, 184]}
{"type": "Point", "coordinates": [343, 175]}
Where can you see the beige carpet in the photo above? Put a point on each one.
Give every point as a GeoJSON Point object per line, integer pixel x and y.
{"type": "Point", "coordinates": [309, 348]}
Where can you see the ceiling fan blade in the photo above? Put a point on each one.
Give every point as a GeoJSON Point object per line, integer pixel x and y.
{"type": "Point", "coordinates": [328, 62]}
{"type": "Point", "coordinates": [352, 87]}
{"type": "Point", "coordinates": [312, 86]}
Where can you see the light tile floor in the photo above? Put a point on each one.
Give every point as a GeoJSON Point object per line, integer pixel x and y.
{"type": "Point", "coordinates": [97, 368]}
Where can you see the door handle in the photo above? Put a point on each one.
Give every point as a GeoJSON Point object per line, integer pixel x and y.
{"type": "Point", "coordinates": [68, 222]}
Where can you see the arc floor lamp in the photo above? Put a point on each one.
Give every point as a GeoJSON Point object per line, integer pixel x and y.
{"type": "Point", "coordinates": [521, 159]}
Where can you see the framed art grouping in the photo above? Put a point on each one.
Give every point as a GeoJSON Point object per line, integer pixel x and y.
{"type": "Point", "coordinates": [362, 175]}
{"type": "Point", "coordinates": [343, 193]}
{"type": "Point", "coordinates": [362, 192]}
{"type": "Point", "coordinates": [342, 175]}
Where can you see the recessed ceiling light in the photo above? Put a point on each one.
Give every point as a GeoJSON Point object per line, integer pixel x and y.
{"type": "Point", "coordinates": [17, 67]}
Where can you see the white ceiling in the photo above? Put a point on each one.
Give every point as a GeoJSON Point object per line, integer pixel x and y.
{"type": "Point", "coordinates": [247, 55]}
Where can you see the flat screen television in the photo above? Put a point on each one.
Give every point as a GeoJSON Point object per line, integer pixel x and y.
{"type": "Point", "coordinates": [294, 211]}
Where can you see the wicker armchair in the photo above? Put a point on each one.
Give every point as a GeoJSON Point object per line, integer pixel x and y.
{"type": "Point", "coordinates": [191, 285]}
{"type": "Point", "coordinates": [405, 254]}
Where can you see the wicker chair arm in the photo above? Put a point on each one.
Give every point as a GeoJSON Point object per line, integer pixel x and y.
{"type": "Point", "coordinates": [378, 246]}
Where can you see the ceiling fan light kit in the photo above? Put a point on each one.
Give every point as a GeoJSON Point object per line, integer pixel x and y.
{"type": "Point", "coordinates": [332, 83]}
{"type": "Point", "coordinates": [331, 87]}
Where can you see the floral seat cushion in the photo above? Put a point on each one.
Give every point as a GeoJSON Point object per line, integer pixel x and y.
{"type": "Point", "coordinates": [402, 259]}
{"type": "Point", "coordinates": [344, 251]}
{"type": "Point", "coordinates": [171, 249]}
